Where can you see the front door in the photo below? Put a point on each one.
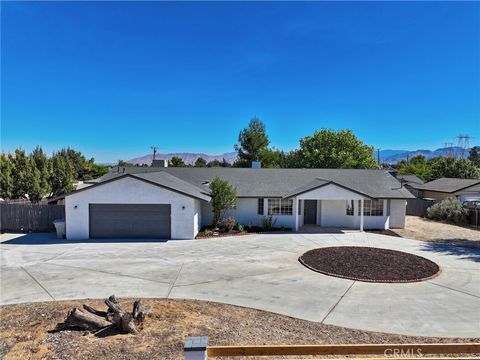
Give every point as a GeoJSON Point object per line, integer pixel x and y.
{"type": "Point", "coordinates": [310, 210]}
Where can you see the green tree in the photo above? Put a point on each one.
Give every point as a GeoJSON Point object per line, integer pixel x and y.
{"type": "Point", "coordinates": [214, 163]}
{"type": "Point", "coordinates": [44, 166]}
{"type": "Point", "coordinates": [176, 161]}
{"type": "Point", "coordinates": [124, 164]}
{"type": "Point", "coordinates": [225, 163]}
{"type": "Point", "coordinates": [274, 158]}
{"type": "Point", "coordinates": [63, 175]}
{"type": "Point", "coordinates": [35, 191]}
{"type": "Point", "coordinates": [6, 176]}
{"type": "Point", "coordinates": [96, 170]}
{"type": "Point", "coordinates": [474, 155]}
{"type": "Point", "coordinates": [417, 165]}
{"type": "Point", "coordinates": [79, 162]}
{"type": "Point", "coordinates": [224, 197]}
{"type": "Point", "coordinates": [200, 162]}
{"type": "Point", "coordinates": [20, 174]}
{"type": "Point", "coordinates": [252, 142]}
{"type": "Point", "coordinates": [335, 149]}
{"type": "Point", "coordinates": [453, 168]}
{"type": "Point", "coordinates": [218, 163]}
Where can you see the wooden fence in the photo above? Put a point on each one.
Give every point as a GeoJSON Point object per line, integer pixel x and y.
{"type": "Point", "coordinates": [198, 348]}
{"type": "Point", "coordinates": [29, 218]}
{"type": "Point", "coordinates": [418, 207]}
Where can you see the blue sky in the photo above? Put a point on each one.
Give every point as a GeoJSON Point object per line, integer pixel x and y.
{"type": "Point", "coordinates": [113, 78]}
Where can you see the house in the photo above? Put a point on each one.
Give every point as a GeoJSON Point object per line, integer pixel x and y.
{"type": "Point", "coordinates": [175, 203]}
{"type": "Point", "coordinates": [463, 189]}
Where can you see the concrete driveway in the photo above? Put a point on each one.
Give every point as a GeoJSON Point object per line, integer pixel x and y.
{"type": "Point", "coordinates": [258, 271]}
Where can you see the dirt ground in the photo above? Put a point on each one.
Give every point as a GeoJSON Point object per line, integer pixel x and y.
{"type": "Point", "coordinates": [26, 331]}
{"type": "Point", "coordinates": [418, 228]}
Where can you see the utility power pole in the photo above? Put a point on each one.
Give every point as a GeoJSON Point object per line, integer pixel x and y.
{"type": "Point", "coordinates": [378, 156]}
{"type": "Point", "coordinates": [463, 142]}
{"type": "Point", "coordinates": [154, 148]}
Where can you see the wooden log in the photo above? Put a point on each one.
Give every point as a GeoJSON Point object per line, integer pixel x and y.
{"type": "Point", "coordinates": [137, 308]}
{"type": "Point", "coordinates": [94, 311]}
{"type": "Point", "coordinates": [86, 320]}
{"type": "Point", "coordinates": [113, 305]}
{"type": "Point", "coordinates": [93, 320]}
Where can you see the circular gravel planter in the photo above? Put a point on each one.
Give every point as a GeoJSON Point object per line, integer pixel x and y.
{"type": "Point", "coordinates": [369, 264]}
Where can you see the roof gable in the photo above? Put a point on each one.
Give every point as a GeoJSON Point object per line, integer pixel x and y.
{"type": "Point", "coordinates": [330, 191]}
{"type": "Point", "coordinates": [165, 181]}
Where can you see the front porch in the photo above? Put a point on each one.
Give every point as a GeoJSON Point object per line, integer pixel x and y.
{"type": "Point", "coordinates": [331, 206]}
{"type": "Point", "coordinates": [327, 215]}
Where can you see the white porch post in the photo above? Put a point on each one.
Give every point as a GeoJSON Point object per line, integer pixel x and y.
{"type": "Point", "coordinates": [296, 213]}
{"type": "Point", "coordinates": [361, 214]}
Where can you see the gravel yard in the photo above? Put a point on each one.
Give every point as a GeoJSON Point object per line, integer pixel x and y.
{"type": "Point", "coordinates": [418, 228]}
{"type": "Point", "coordinates": [24, 331]}
{"type": "Point", "coordinates": [369, 264]}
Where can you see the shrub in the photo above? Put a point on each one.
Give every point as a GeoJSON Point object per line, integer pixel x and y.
{"type": "Point", "coordinates": [224, 197]}
{"type": "Point", "coordinates": [268, 223]}
{"type": "Point", "coordinates": [450, 210]}
{"type": "Point", "coordinates": [208, 232]}
{"type": "Point", "coordinates": [240, 228]}
{"type": "Point", "coordinates": [228, 223]}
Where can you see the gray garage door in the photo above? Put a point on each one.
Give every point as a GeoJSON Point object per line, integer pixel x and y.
{"type": "Point", "coordinates": [130, 221]}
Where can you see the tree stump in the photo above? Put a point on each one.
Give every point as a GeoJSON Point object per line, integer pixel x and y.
{"type": "Point", "coordinates": [93, 320]}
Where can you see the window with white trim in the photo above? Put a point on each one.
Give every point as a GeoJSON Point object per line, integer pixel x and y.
{"type": "Point", "coordinates": [280, 206]}
{"type": "Point", "coordinates": [260, 207]}
{"type": "Point", "coordinates": [350, 207]}
{"type": "Point", "coordinates": [372, 208]}
{"type": "Point", "coordinates": [299, 207]}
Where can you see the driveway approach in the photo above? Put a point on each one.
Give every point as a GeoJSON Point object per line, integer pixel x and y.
{"type": "Point", "coordinates": [258, 271]}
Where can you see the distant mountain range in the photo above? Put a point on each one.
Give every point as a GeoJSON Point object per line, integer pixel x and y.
{"type": "Point", "coordinates": [188, 158]}
{"type": "Point", "coordinates": [386, 156]}
{"type": "Point", "coordinates": [394, 156]}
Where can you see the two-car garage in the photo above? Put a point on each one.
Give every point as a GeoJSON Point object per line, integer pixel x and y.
{"type": "Point", "coordinates": [130, 221]}
{"type": "Point", "coordinates": [131, 206]}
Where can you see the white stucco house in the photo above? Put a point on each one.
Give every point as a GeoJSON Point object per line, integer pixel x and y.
{"type": "Point", "coordinates": [174, 203]}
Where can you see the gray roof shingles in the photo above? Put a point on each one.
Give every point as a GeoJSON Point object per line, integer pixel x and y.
{"type": "Point", "coordinates": [411, 179]}
{"type": "Point", "coordinates": [277, 182]}
{"type": "Point", "coordinates": [448, 185]}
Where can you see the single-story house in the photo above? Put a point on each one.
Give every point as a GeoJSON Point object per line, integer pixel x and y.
{"type": "Point", "coordinates": [175, 202]}
{"type": "Point", "coordinates": [462, 189]}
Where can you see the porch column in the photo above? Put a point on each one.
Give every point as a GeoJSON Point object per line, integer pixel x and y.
{"type": "Point", "coordinates": [361, 214]}
{"type": "Point", "coordinates": [296, 213]}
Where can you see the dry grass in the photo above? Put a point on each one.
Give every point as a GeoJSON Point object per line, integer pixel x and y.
{"type": "Point", "coordinates": [418, 228]}
{"type": "Point", "coordinates": [24, 331]}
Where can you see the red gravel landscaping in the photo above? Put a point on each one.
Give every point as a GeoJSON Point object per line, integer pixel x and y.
{"type": "Point", "coordinates": [369, 264]}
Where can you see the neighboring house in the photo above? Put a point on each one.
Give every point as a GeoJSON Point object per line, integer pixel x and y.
{"type": "Point", "coordinates": [411, 182]}
{"type": "Point", "coordinates": [174, 202]}
{"type": "Point", "coordinates": [463, 189]}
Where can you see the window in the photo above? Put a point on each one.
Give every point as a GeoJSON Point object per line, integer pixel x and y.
{"type": "Point", "coordinates": [299, 207]}
{"type": "Point", "coordinates": [372, 208]}
{"type": "Point", "coordinates": [350, 210]}
{"type": "Point", "coordinates": [260, 207]}
{"type": "Point", "coordinates": [280, 207]}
